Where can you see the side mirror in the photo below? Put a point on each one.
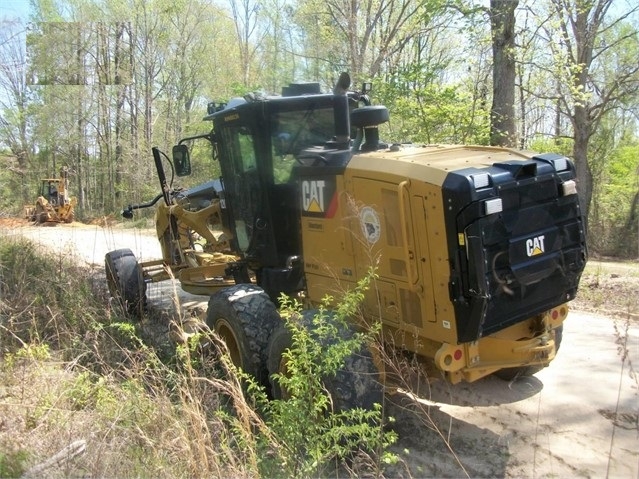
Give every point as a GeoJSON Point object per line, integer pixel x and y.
{"type": "Point", "coordinates": [181, 160]}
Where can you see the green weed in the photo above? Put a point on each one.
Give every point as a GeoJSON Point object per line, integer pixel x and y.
{"type": "Point", "coordinates": [12, 464]}
{"type": "Point", "coordinates": [314, 435]}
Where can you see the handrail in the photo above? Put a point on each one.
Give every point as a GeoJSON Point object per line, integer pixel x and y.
{"type": "Point", "coordinates": [401, 189]}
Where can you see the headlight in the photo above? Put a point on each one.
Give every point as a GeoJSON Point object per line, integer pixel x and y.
{"type": "Point", "coordinates": [493, 206]}
{"type": "Point", "coordinates": [481, 180]}
{"type": "Point", "coordinates": [569, 188]}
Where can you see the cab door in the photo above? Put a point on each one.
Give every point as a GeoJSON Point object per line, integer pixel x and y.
{"type": "Point", "coordinates": [243, 190]}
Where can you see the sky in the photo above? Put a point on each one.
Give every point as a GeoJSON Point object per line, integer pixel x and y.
{"type": "Point", "coordinates": [14, 9]}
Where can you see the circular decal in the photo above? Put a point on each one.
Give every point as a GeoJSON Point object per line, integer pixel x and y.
{"type": "Point", "coordinates": [370, 224]}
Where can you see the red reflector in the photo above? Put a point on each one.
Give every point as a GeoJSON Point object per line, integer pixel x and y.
{"type": "Point", "coordinates": [555, 314]}
{"type": "Point", "coordinates": [458, 354]}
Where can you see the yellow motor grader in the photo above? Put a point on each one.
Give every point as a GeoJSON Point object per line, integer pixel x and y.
{"type": "Point", "coordinates": [478, 249]}
{"type": "Point", "coordinates": [54, 205]}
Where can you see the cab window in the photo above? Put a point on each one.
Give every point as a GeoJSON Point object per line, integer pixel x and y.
{"type": "Point", "coordinates": [295, 131]}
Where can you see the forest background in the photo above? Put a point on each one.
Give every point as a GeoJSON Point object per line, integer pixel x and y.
{"type": "Point", "coordinates": [92, 85]}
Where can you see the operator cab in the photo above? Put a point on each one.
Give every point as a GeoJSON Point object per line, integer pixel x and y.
{"type": "Point", "coordinates": [263, 143]}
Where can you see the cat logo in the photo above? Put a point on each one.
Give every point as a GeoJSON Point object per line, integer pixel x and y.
{"type": "Point", "coordinates": [313, 196]}
{"type": "Point", "coordinates": [318, 197]}
{"type": "Point", "coordinates": [535, 246]}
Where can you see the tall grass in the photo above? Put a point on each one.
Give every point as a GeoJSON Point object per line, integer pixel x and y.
{"type": "Point", "coordinates": [82, 395]}
{"type": "Point", "coordinates": [73, 370]}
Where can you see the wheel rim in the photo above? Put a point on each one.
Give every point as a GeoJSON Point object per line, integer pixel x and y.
{"type": "Point", "coordinates": [225, 331]}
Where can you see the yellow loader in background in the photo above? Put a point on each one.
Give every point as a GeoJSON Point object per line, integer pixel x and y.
{"type": "Point", "coordinates": [54, 204]}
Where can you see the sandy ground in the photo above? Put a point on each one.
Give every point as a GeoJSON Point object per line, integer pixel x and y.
{"type": "Point", "coordinates": [576, 418]}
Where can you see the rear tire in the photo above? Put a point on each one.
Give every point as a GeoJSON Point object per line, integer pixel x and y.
{"type": "Point", "coordinates": [126, 281]}
{"type": "Point", "coordinates": [357, 383]}
{"type": "Point", "coordinates": [244, 317]}
{"type": "Point", "coordinates": [281, 340]}
{"type": "Point", "coordinates": [508, 374]}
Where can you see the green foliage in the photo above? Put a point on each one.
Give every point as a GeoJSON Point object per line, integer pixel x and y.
{"type": "Point", "coordinates": [148, 418]}
{"type": "Point", "coordinates": [30, 352]}
{"type": "Point", "coordinates": [427, 112]}
{"type": "Point", "coordinates": [121, 403]}
{"type": "Point", "coordinates": [430, 62]}
{"type": "Point", "coordinates": [12, 464]}
{"type": "Point", "coordinates": [87, 391]}
{"type": "Point", "coordinates": [8, 183]}
{"type": "Point", "coordinates": [617, 215]}
{"type": "Point", "coordinates": [562, 146]}
{"type": "Point", "coordinates": [27, 354]}
{"type": "Point", "coordinates": [20, 262]}
{"type": "Point", "coordinates": [623, 168]}
{"type": "Point", "coordinates": [310, 434]}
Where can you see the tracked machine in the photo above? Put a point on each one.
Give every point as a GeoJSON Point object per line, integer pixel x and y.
{"type": "Point", "coordinates": [477, 249]}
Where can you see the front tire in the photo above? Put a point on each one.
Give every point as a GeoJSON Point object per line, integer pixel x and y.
{"type": "Point", "coordinates": [356, 384]}
{"type": "Point", "coordinates": [244, 317]}
{"type": "Point", "coordinates": [126, 281]}
{"type": "Point", "coordinates": [41, 216]}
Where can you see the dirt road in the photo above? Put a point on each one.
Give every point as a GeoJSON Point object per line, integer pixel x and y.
{"type": "Point", "coordinates": [577, 418]}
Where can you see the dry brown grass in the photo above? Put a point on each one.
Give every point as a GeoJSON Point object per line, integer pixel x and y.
{"type": "Point", "coordinates": [71, 373]}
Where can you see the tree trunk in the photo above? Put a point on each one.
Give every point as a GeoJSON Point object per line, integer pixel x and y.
{"type": "Point", "coordinates": [502, 116]}
{"type": "Point", "coordinates": [81, 126]}
{"type": "Point", "coordinates": [582, 132]}
{"type": "Point", "coordinates": [119, 109]}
